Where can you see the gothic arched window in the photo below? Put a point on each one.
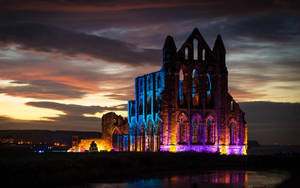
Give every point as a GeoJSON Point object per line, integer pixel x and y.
{"type": "Point", "coordinates": [183, 128]}
{"type": "Point", "coordinates": [142, 138]}
{"type": "Point", "coordinates": [195, 82]}
{"type": "Point", "coordinates": [149, 106]}
{"type": "Point", "coordinates": [208, 89]}
{"type": "Point", "coordinates": [195, 125]}
{"type": "Point", "coordinates": [232, 133]}
{"type": "Point", "coordinates": [116, 140]}
{"type": "Point", "coordinates": [208, 84]}
{"type": "Point", "coordinates": [195, 47]}
{"type": "Point", "coordinates": [203, 54]}
{"type": "Point", "coordinates": [195, 87]}
{"type": "Point", "coordinates": [140, 86]}
{"type": "Point", "coordinates": [202, 133]}
{"type": "Point", "coordinates": [157, 104]}
{"type": "Point", "coordinates": [140, 108]}
{"type": "Point", "coordinates": [210, 131]}
{"type": "Point", "coordinates": [208, 127]}
{"type": "Point", "coordinates": [186, 53]}
{"type": "Point", "coordinates": [231, 106]}
{"type": "Point", "coordinates": [158, 82]}
{"type": "Point", "coordinates": [181, 78]}
{"type": "Point", "coordinates": [149, 83]}
{"type": "Point", "coordinates": [132, 109]}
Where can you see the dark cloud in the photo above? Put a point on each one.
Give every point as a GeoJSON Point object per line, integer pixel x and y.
{"type": "Point", "coordinates": [157, 16]}
{"type": "Point", "coordinates": [243, 6]}
{"type": "Point", "coordinates": [78, 123]}
{"type": "Point", "coordinates": [271, 112]}
{"type": "Point", "coordinates": [56, 40]}
{"type": "Point", "coordinates": [72, 109]}
{"type": "Point", "coordinates": [270, 122]}
{"type": "Point", "coordinates": [264, 27]}
{"type": "Point", "coordinates": [43, 89]}
{"type": "Point", "coordinates": [51, 77]}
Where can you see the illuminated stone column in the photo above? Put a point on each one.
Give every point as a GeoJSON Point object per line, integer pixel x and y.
{"type": "Point", "coordinates": [173, 129]}
{"type": "Point", "coordinates": [215, 132]}
{"type": "Point", "coordinates": [138, 145]}
{"type": "Point", "coordinates": [152, 141]}
{"type": "Point", "coordinates": [165, 132]}
{"type": "Point", "coordinates": [246, 134]}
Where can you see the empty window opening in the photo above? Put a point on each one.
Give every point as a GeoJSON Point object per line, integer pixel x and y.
{"type": "Point", "coordinates": [210, 131]}
{"type": "Point", "coordinates": [149, 83]}
{"type": "Point", "coordinates": [158, 82]}
{"type": "Point", "coordinates": [186, 53]}
{"type": "Point", "coordinates": [195, 74]}
{"type": "Point", "coordinates": [181, 91]}
{"type": "Point", "coordinates": [195, 47]}
{"type": "Point", "coordinates": [184, 130]}
{"type": "Point", "coordinates": [132, 109]}
{"type": "Point", "coordinates": [141, 86]}
{"type": "Point", "coordinates": [195, 87]}
{"type": "Point", "coordinates": [203, 54]}
{"type": "Point", "coordinates": [202, 133]}
{"type": "Point", "coordinates": [232, 106]}
{"type": "Point", "coordinates": [140, 108]}
{"type": "Point", "coordinates": [232, 134]}
{"type": "Point", "coordinates": [149, 106]}
{"type": "Point", "coordinates": [195, 130]}
{"type": "Point", "coordinates": [208, 85]}
{"type": "Point", "coordinates": [181, 76]}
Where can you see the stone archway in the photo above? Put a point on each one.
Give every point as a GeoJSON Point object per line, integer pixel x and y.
{"type": "Point", "coordinates": [233, 130]}
{"type": "Point", "coordinates": [210, 130]}
{"type": "Point", "coordinates": [197, 129]}
{"type": "Point", "coordinates": [117, 139]}
{"type": "Point", "coordinates": [183, 129]}
{"type": "Point", "coordinates": [133, 138]}
{"type": "Point", "coordinates": [142, 140]}
{"type": "Point", "coordinates": [150, 136]}
{"type": "Point", "coordinates": [158, 135]}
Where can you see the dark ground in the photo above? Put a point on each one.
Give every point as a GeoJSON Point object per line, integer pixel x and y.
{"type": "Point", "coordinates": [19, 169]}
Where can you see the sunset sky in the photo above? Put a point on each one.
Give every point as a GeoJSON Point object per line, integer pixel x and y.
{"type": "Point", "coordinates": [63, 63]}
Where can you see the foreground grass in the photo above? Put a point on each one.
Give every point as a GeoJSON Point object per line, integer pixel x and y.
{"type": "Point", "coordinates": [52, 169]}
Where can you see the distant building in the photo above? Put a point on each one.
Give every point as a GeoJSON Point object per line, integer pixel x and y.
{"type": "Point", "coordinates": [183, 107]}
{"type": "Point", "coordinates": [7, 140]}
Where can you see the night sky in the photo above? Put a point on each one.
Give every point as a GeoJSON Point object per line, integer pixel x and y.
{"type": "Point", "coordinates": [63, 63]}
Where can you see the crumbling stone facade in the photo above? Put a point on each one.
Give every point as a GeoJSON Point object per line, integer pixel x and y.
{"type": "Point", "coordinates": [183, 107]}
{"type": "Point", "coordinates": [115, 130]}
{"type": "Point", "coordinates": [114, 136]}
{"type": "Point", "coordinates": [186, 105]}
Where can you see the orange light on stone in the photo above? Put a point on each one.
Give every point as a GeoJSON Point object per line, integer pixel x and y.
{"type": "Point", "coordinates": [173, 148]}
{"type": "Point", "coordinates": [223, 150]}
{"type": "Point", "coordinates": [84, 145]}
{"type": "Point", "coordinates": [245, 150]}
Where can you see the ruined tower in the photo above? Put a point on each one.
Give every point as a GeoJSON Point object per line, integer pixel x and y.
{"type": "Point", "coordinates": [186, 105]}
